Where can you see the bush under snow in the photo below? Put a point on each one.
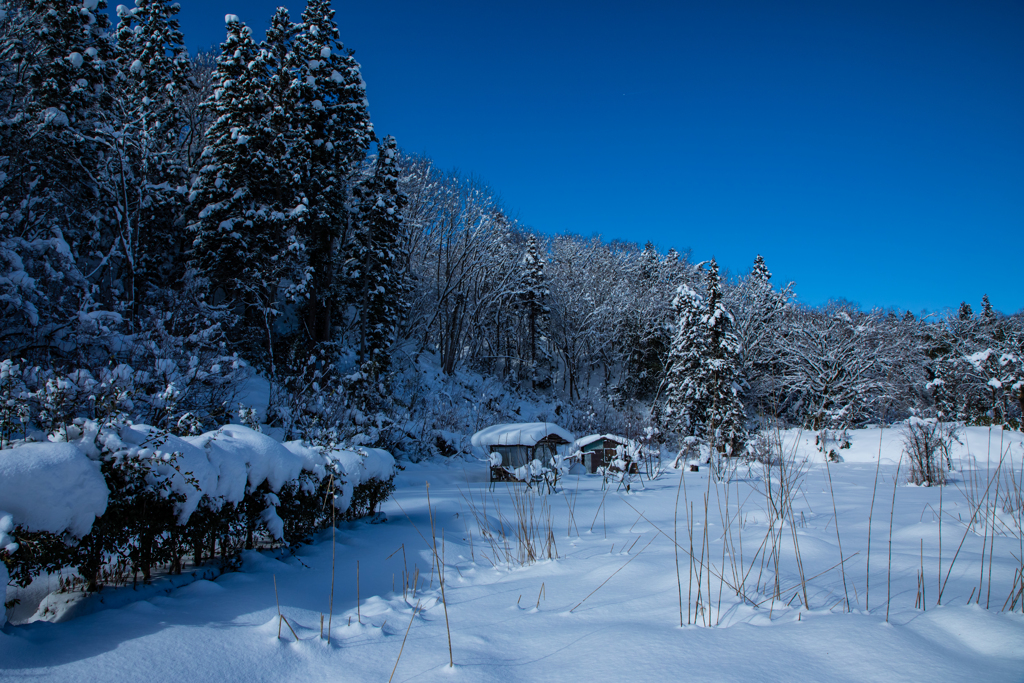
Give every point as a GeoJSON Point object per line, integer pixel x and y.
{"type": "Point", "coordinates": [121, 490]}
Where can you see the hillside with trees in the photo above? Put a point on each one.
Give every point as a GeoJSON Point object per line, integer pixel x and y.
{"type": "Point", "coordinates": [178, 229]}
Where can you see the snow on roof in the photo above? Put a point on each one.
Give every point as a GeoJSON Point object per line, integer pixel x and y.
{"type": "Point", "coordinates": [524, 434]}
{"type": "Point", "coordinates": [585, 441]}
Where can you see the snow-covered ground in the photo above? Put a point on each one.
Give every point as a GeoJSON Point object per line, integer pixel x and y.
{"type": "Point", "coordinates": [609, 605]}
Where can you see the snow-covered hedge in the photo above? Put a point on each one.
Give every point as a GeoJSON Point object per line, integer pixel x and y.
{"type": "Point", "coordinates": [51, 487]}
{"type": "Point", "coordinates": [116, 491]}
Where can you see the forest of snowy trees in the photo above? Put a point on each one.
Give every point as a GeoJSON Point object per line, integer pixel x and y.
{"type": "Point", "coordinates": [173, 226]}
{"type": "Point", "coordinates": [192, 241]}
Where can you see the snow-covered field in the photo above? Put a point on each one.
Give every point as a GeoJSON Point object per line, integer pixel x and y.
{"type": "Point", "coordinates": [609, 605]}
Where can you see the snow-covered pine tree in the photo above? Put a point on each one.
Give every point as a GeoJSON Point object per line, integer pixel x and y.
{"type": "Point", "coordinates": [649, 262]}
{"type": "Point", "coordinates": [726, 429]}
{"type": "Point", "coordinates": [685, 397]}
{"type": "Point", "coordinates": [987, 312]}
{"type": "Point", "coordinates": [644, 319]}
{"type": "Point", "coordinates": [978, 366]}
{"type": "Point", "coordinates": [144, 137]}
{"type": "Point", "coordinates": [288, 140]}
{"type": "Point", "coordinates": [532, 293]}
{"type": "Point", "coordinates": [702, 393]}
{"type": "Point", "coordinates": [760, 273]}
{"type": "Point", "coordinates": [57, 70]}
{"type": "Point", "coordinates": [989, 325]}
{"type": "Point", "coordinates": [383, 287]}
{"type": "Point", "coordinates": [333, 115]}
{"type": "Point", "coordinates": [56, 63]}
{"type": "Point", "coordinates": [758, 322]}
{"type": "Point", "coordinates": [244, 236]}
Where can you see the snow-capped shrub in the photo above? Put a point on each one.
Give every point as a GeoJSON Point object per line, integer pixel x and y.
{"type": "Point", "coordinates": [925, 441]}
{"type": "Point", "coordinates": [367, 497]}
{"type": "Point", "coordinates": [51, 487]}
{"type": "Point", "coordinates": [51, 495]}
{"type": "Point", "coordinates": [165, 498]}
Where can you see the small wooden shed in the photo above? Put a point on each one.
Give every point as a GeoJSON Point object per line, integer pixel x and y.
{"type": "Point", "coordinates": [599, 449]}
{"type": "Point", "coordinates": [509, 447]}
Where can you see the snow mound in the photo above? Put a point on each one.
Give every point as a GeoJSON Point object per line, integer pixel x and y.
{"type": "Point", "coordinates": [365, 464]}
{"type": "Point", "coordinates": [169, 457]}
{"type": "Point", "coordinates": [358, 466]}
{"type": "Point", "coordinates": [242, 456]}
{"type": "Point", "coordinates": [51, 487]}
{"type": "Point", "coordinates": [524, 434]}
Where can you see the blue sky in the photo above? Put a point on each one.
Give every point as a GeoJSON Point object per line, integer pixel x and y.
{"type": "Point", "coordinates": [872, 151]}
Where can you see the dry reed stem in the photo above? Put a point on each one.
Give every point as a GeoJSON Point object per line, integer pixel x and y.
{"type": "Point", "coordinates": [871, 513]}
{"type": "Point", "coordinates": [967, 530]}
{"type": "Point", "coordinates": [839, 539]}
{"type": "Point", "coordinates": [278, 601]}
{"type": "Point", "coordinates": [992, 542]}
{"type": "Point", "coordinates": [286, 623]}
{"type": "Point", "coordinates": [703, 550]}
{"type": "Point", "coordinates": [717, 575]}
{"type": "Point", "coordinates": [334, 552]}
{"type": "Point", "coordinates": [939, 577]}
{"type": "Point", "coordinates": [599, 508]}
{"type": "Point", "coordinates": [711, 565]}
{"type": "Point", "coordinates": [440, 579]}
{"type": "Point", "coordinates": [689, 589]}
{"type": "Point", "coordinates": [675, 543]}
{"type": "Point", "coordinates": [401, 649]}
{"type": "Point", "coordinates": [281, 617]}
{"type": "Point", "coordinates": [924, 595]}
{"type": "Point", "coordinates": [892, 513]}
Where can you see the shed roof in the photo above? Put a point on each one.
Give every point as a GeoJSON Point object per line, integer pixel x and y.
{"type": "Point", "coordinates": [521, 434]}
{"type": "Point", "coordinates": [585, 441]}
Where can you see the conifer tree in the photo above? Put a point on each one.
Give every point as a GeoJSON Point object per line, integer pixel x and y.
{"type": "Point", "coordinates": [987, 312]}
{"type": "Point", "coordinates": [56, 76]}
{"type": "Point", "coordinates": [532, 290]}
{"type": "Point", "coordinates": [988, 323]}
{"type": "Point", "coordinates": [382, 275]}
{"type": "Point", "coordinates": [379, 282]}
{"type": "Point", "coordinates": [759, 310]}
{"type": "Point", "coordinates": [288, 141]}
{"type": "Point", "coordinates": [56, 63]}
{"type": "Point", "coordinates": [334, 119]}
{"type": "Point", "coordinates": [702, 392]}
{"type": "Point", "coordinates": [649, 262]}
{"type": "Point", "coordinates": [725, 419]}
{"type": "Point", "coordinates": [685, 396]}
{"type": "Point", "coordinates": [760, 273]}
{"type": "Point", "coordinates": [244, 236]}
{"type": "Point", "coordinates": [145, 134]}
